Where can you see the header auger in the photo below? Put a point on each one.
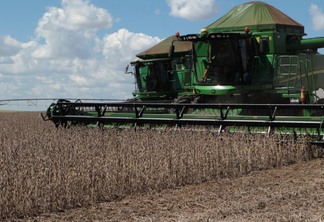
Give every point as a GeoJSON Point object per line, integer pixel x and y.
{"type": "Point", "coordinates": [247, 69]}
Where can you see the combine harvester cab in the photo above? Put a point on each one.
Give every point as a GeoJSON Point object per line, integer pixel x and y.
{"type": "Point", "coordinates": [251, 68]}
{"type": "Point", "coordinates": [159, 77]}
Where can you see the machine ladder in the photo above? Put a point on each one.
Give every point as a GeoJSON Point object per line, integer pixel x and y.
{"type": "Point", "coordinates": [288, 74]}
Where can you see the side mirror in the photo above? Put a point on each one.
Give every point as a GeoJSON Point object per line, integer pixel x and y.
{"type": "Point", "coordinates": [264, 46]}
{"type": "Point", "coordinates": [126, 70]}
{"type": "Point", "coordinates": [171, 51]}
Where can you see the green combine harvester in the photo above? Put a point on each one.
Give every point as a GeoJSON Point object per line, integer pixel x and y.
{"type": "Point", "coordinates": [251, 68]}
{"type": "Point", "coordinates": [160, 77]}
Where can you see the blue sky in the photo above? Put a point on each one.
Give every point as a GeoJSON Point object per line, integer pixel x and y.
{"type": "Point", "coordinates": [79, 48]}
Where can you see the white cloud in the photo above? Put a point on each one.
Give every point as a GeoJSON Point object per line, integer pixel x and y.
{"type": "Point", "coordinates": [9, 46]}
{"type": "Point", "coordinates": [76, 15]}
{"type": "Point", "coordinates": [80, 80]}
{"type": "Point", "coordinates": [68, 31]}
{"type": "Point", "coordinates": [5, 60]}
{"type": "Point", "coordinates": [68, 59]}
{"type": "Point", "coordinates": [317, 17]}
{"type": "Point", "coordinates": [192, 9]}
{"type": "Point", "coordinates": [118, 45]}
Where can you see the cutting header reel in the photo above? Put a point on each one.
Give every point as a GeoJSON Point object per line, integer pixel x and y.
{"type": "Point", "coordinates": [218, 117]}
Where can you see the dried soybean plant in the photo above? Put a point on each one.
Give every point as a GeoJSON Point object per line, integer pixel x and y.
{"type": "Point", "coordinates": [44, 169]}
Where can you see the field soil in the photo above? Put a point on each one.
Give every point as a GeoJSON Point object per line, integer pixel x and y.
{"type": "Point", "coordinates": [289, 193]}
